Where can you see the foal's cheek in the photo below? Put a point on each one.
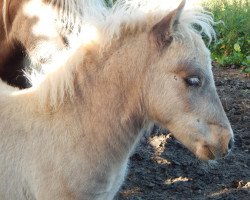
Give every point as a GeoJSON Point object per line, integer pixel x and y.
{"type": "Point", "coordinates": [167, 99]}
{"type": "Point", "coordinates": [179, 96]}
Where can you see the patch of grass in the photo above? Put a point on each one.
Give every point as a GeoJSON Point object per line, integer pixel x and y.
{"type": "Point", "coordinates": [233, 33]}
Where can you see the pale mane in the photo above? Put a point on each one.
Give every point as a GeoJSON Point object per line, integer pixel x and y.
{"type": "Point", "coordinates": [73, 12]}
{"type": "Point", "coordinates": [140, 14]}
{"type": "Point", "coordinates": [110, 24]}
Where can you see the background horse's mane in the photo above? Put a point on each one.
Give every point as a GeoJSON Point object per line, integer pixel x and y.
{"type": "Point", "coordinates": [111, 23]}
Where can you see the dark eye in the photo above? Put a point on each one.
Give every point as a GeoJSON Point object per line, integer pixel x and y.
{"type": "Point", "coordinates": [193, 81]}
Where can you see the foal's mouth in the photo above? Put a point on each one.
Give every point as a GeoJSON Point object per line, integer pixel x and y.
{"type": "Point", "coordinates": [207, 152]}
{"type": "Point", "coordinates": [211, 153]}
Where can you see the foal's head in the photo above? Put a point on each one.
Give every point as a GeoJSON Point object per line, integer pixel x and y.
{"type": "Point", "coordinates": [181, 93]}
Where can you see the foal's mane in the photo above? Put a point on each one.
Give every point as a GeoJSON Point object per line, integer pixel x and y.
{"type": "Point", "coordinates": [112, 23]}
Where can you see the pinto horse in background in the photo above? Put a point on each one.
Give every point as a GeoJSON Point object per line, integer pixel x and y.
{"type": "Point", "coordinates": [29, 25]}
{"type": "Point", "coordinates": [70, 137]}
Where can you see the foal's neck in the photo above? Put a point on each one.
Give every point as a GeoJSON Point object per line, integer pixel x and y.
{"type": "Point", "coordinates": [110, 92]}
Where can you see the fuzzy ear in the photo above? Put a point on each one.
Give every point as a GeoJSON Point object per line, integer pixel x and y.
{"type": "Point", "coordinates": [163, 30]}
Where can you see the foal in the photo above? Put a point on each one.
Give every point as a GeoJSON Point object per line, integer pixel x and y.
{"type": "Point", "coordinates": [70, 137]}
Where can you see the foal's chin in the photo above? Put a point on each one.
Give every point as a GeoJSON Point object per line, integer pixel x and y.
{"type": "Point", "coordinates": [212, 143]}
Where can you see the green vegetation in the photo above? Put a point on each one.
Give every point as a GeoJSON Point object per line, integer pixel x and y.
{"type": "Point", "coordinates": [233, 32]}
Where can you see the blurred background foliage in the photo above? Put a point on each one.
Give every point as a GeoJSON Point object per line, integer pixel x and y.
{"type": "Point", "coordinates": [232, 47]}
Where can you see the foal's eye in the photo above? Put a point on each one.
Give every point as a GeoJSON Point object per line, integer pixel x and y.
{"type": "Point", "coordinates": [193, 81]}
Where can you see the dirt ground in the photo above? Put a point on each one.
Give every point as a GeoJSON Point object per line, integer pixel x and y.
{"type": "Point", "coordinates": [162, 168]}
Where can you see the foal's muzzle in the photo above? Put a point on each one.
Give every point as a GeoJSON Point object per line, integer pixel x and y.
{"type": "Point", "coordinates": [217, 145]}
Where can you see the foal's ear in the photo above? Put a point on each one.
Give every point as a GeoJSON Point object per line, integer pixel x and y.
{"type": "Point", "coordinates": [162, 31]}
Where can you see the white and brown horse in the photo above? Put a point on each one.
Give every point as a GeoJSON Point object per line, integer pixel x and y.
{"type": "Point", "coordinates": [29, 25]}
{"type": "Point", "coordinates": [70, 137]}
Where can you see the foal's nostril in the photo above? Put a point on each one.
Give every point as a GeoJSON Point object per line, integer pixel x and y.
{"type": "Point", "coordinates": [230, 144]}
